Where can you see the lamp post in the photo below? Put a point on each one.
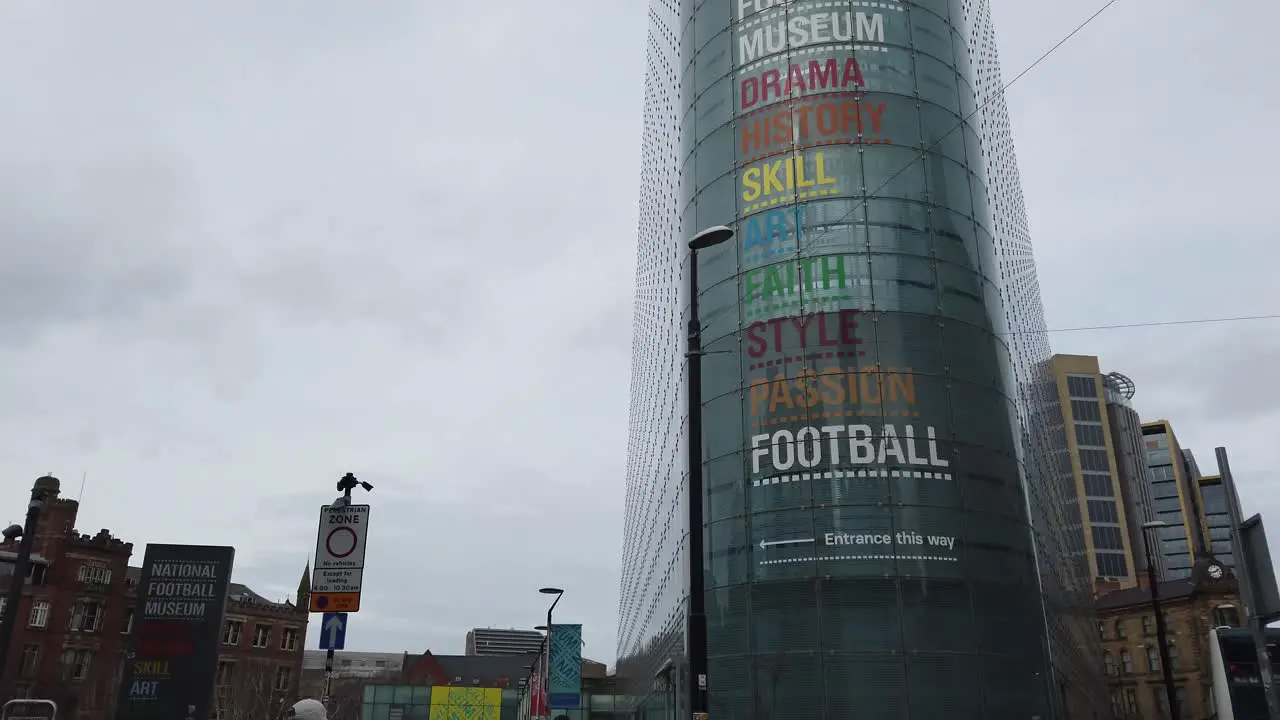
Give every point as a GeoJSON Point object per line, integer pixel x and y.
{"type": "Point", "coordinates": [40, 492]}
{"type": "Point", "coordinates": [1162, 637]}
{"type": "Point", "coordinates": [546, 645]}
{"type": "Point", "coordinates": [697, 623]}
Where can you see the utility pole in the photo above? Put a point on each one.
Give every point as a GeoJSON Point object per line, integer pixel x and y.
{"type": "Point", "coordinates": [1162, 632]}
{"type": "Point", "coordinates": [22, 564]}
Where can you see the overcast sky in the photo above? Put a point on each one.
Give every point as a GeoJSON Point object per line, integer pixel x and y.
{"type": "Point", "coordinates": [251, 246]}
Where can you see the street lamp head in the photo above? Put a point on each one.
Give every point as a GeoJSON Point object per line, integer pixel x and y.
{"type": "Point", "coordinates": [13, 532]}
{"type": "Point", "coordinates": [710, 237]}
{"type": "Point", "coordinates": [540, 627]}
{"type": "Point", "coordinates": [551, 591]}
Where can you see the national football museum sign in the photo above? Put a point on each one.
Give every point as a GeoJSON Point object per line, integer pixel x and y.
{"type": "Point", "coordinates": [858, 392]}
{"type": "Point", "coordinates": [177, 631]}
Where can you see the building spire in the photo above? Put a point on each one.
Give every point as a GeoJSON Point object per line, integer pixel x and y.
{"type": "Point", "coordinates": [304, 586]}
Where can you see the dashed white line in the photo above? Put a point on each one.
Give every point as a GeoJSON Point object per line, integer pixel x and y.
{"type": "Point", "coordinates": [850, 475]}
{"type": "Point", "coordinates": [937, 558]}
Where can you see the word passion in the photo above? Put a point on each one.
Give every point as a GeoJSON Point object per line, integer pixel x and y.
{"type": "Point", "coordinates": [810, 330]}
{"type": "Point", "coordinates": [798, 31]}
{"type": "Point", "coordinates": [812, 446]}
{"type": "Point", "coordinates": [819, 76]}
{"type": "Point", "coordinates": [833, 387]}
{"type": "Point", "coordinates": [811, 123]}
{"type": "Point", "coordinates": [786, 177]}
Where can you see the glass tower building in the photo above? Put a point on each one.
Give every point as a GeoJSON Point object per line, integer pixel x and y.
{"type": "Point", "coordinates": [888, 498]}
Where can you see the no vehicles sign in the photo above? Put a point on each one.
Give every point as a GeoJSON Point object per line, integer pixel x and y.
{"type": "Point", "coordinates": [339, 568]}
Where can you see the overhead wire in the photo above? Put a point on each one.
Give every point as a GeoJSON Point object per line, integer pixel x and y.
{"type": "Point", "coordinates": [1159, 323]}
{"type": "Point", "coordinates": [999, 93]}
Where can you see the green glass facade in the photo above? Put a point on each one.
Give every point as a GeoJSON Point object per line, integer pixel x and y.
{"type": "Point", "coordinates": [869, 549]}
{"type": "Point", "coordinates": [887, 509]}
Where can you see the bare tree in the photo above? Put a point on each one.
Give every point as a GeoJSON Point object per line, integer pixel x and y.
{"type": "Point", "coordinates": [249, 692]}
{"type": "Point", "coordinates": [346, 695]}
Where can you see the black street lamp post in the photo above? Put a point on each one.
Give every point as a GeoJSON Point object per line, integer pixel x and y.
{"type": "Point", "coordinates": [546, 645]}
{"type": "Point", "coordinates": [1162, 632]}
{"type": "Point", "coordinates": [697, 623]}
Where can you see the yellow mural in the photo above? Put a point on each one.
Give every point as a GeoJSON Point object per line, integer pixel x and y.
{"type": "Point", "coordinates": [465, 703]}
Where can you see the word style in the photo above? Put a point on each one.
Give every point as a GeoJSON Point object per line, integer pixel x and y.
{"type": "Point", "coordinates": [787, 178]}
{"type": "Point", "coordinates": [766, 336]}
{"type": "Point", "coordinates": [833, 388]}
{"type": "Point", "coordinates": [791, 33]}
{"type": "Point", "coordinates": [809, 124]}
{"type": "Point", "coordinates": [819, 76]}
{"type": "Point", "coordinates": [805, 447]}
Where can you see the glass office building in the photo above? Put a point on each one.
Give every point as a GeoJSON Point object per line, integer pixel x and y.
{"type": "Point", "coordinates": [886, 495]}
{"type": "Point", "coordinates": [1175, 490]}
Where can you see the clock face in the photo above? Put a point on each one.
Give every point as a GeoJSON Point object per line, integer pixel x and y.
{"type": "Point", "coordinates": [1215, 572]}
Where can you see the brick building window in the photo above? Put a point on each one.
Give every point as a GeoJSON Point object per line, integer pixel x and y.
{"type": "Point", "coordinates": [93, 574]}
{"type": "Point", "coordinates": [1148, 625]}
{"type": "Point", "coordinates": [1121, 633]}
{"type": "Point", "coordinates": [231, 632]}
{"type": "Point", "coordinates": [226, 670]}
{"type": "Point", "coordinates": [261, 636]}
{"type": "Point", "coordinates": [39, 614]}
{"type": "Point", "coordinates": [1175, 662]}
{"type": "Point", "coordinates": [289, 639]}
{"type": "Point", "coordinates": [1130, 701]}
{"type": "Point", "coordinates": [1126, 662]}
{"type": "Point", "coordinates": [30, 661]}
{"type": "Point", "coordinates": [76, 664]}
{"type": "Point", "coordinates": [86, 616]}
{"type": "Point", "coordinates": [1109, 663]}
{"type": "Point", "coordinates": [1153, 659]}
{"type": "Point", "coordinates": [1222, 615]}
{"type": "Point", "coordinates": [283, 675]}
{"type": "Point", "coordinates": [126, 624]}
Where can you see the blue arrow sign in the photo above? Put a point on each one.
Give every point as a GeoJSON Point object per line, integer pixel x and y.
{"type": "Point", "coordinates": [333, 631]}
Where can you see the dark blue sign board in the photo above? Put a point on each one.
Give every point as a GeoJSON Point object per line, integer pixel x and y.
{"type": "Point", "coordinates": [565, 701]}
{"type": "Point", "coordinates": [177, 632]}
{"type": "Point", "coordinates": [333, 631]}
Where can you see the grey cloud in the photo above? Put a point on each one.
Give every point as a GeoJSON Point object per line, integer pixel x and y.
{"type": "Point", "coordinates": [94, 243]}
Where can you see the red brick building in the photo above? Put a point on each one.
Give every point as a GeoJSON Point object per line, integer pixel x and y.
{"type": "Point", "coordinates": [70, 639]}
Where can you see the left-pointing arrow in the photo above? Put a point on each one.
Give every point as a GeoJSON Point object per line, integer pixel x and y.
{"type": "Point", "coordinates": [765, 544]}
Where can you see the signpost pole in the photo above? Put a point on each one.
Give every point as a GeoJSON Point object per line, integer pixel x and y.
{"type": "Point", "coordinates": [339, 571]}
{"type": "Point", "coordinates": [328, 654]}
